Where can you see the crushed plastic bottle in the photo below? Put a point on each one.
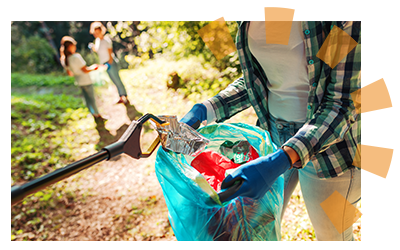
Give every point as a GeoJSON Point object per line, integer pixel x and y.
{"type": "Point", "coordinates": [239, 152]}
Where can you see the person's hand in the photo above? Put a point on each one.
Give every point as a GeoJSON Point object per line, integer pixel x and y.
{"type": "Point", "coordinates": [102, 67]}
{"type": "Point", "coordinates": [257, 176]}
{"type": "Point", "coordinates": [90, 68]}
{"type": "Point", "coordinates": [197, 114]}
{"type": "Point", "coordinates": [108, 65]}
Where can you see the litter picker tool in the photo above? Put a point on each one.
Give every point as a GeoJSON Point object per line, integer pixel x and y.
{"type": "Point", "coordinates": [129, 143]}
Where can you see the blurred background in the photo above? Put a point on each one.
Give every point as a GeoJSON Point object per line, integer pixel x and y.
{"type": "Point", "coordinates": [35, 44]}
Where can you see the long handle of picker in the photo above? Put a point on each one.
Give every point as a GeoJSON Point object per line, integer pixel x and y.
{"type": "Point", "coordinates": [129, 143]}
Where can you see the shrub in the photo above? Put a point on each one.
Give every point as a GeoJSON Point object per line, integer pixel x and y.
{"type": "Point", "coordinates": [33, 55]}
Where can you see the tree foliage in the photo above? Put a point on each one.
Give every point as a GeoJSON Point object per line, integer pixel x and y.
{"type": "Point", "coordinates": [180, 39]}
{"type": "Point", "coordinates": [133, 42]}
{"type": "Point", "coordinates": [33, 54]}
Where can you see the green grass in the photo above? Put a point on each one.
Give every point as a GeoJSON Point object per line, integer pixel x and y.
{"type": "Point", "coordinates": [25, 80]}
{"type": "Point", "coordinates": [40, 128]}
{"type": "Point", "coordinates": [47, 132]}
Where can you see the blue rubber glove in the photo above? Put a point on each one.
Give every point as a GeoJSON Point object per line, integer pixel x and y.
{"type": "Point", "coordinates": [108, 65]}
{"type": "Point", "coordinates": [257, 176]}
{"type": "Point", "coordinates": [197, 114]}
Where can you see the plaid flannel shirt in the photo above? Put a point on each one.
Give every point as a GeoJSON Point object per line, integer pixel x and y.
{"type": "Point", "coordinates": [332, 129]}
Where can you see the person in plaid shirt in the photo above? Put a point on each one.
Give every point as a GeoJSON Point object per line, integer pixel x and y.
{"type": "Point", "coordinates": [306, 107]}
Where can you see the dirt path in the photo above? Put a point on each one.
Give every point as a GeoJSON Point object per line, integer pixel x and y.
{"type": "Point", "coordinates": [123, 202]}
{"type": "Point", "coordinates": [119, 199]}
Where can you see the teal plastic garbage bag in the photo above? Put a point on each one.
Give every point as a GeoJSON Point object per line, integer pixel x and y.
{"type": "Point", "coordinates": [195, 211]}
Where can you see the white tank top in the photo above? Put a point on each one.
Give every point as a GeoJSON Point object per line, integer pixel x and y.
{"type": "Point", "coordinates": [286, 69]}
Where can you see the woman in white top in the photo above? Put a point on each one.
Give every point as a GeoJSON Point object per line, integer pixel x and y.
{"type": "Point", "coordinates": [76, 66]}
{"type": "Point", "coordinates": [103, 47]}
{"type": "Point", "coordinates": [306, 106]}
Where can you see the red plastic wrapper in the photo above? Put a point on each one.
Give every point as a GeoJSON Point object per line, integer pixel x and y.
{"type": "Point", "coordinates": [213, 165]}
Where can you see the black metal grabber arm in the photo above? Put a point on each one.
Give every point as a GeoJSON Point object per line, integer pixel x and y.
{"type": "Point", "coordinates": [20, 192]}
{"type": "Point", "coordinates": [129, 143]}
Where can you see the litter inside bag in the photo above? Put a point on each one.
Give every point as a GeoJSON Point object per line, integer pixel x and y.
{"type": "Point", "coordinates": [195, 211]}
{"type": "Point", "coordinates": [215, 166]}
{"type": "Point", "coordinates": [239, 152]}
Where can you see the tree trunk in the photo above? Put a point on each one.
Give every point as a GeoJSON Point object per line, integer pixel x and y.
{"type": "Point", "coordinates": [51, 42]}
